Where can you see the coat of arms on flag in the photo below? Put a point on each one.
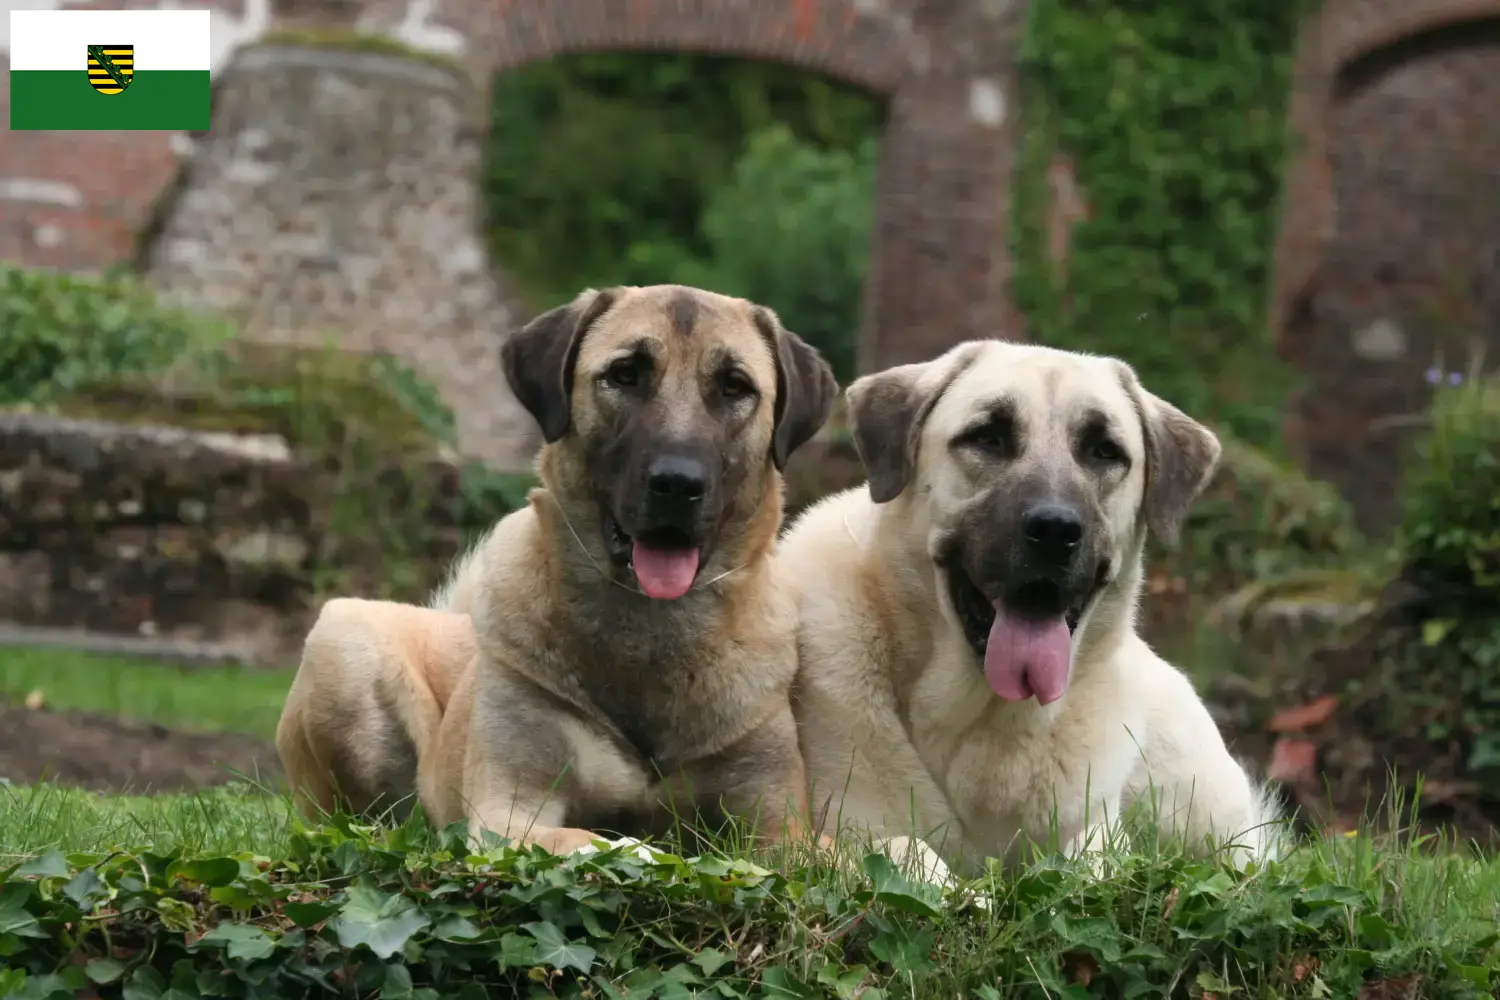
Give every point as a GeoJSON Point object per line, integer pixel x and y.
{"type": "Point", "coordinates": [111, 67]}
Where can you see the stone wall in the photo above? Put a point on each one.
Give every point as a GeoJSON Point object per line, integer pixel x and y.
{"type": "Point", "coordinates": [1341, 306]}
{"type": "Point", "coordinates": [265, 227]}
{"type": "Point", "coordinates": [366, 235]}
{"type": "Point", "coordinates": [190, 537]}
{"type": "Point", "coordinates": [1389, 253]}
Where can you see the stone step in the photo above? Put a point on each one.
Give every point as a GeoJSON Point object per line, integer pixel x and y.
{"type": "Point", "coordinates": [179, 652]}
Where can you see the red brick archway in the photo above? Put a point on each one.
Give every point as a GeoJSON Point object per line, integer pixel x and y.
{"type": "Point", "coordinates": [1389, 97]}
{"type": "Point", "coordinates": [265, 225]}
{"type": "Point", "coordinates": [939, 261]}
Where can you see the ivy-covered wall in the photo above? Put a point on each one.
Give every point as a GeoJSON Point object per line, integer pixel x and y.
{"type": "Point", "coordinates": [1172, 117]}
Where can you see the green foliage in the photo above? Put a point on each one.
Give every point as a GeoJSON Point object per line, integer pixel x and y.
{"type": "Point", "coordinates": [1450, 544]}
{"type": "Point", "coordinates": [601, 165]}
{"type": "Point", "coordinates": [792, 228]}
{"type": "Point", "coordinates": [486, 494]}
{"type": "Point", "coordinates": [355, 911]}
{"type": "Point", "coordinates": [1174, 115]}
{"type": "Point", "coordinates": [60, 331]}
{"type": "Point", "coordinates": [1451, 529]}
{"type": "Point", "coordinates": [1261, 517]}
{"type": "Point", "coordinates": [107, 349]}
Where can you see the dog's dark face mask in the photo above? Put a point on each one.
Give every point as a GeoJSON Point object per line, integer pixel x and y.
{"type": "Point", "coordinates": [681, 401]}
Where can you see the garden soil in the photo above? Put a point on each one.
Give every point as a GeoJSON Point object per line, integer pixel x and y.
{"type": "Point", "coordinates": [106, 754]}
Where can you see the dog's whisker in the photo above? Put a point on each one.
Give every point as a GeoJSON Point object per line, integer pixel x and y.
{"type": "Point", "coordinates": [609, 576]}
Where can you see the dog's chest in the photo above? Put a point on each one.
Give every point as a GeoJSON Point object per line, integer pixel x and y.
{"type": "Point", "coordinates": [621, 791]}
{"type": "Point", "coordinates": [1012, 773]}
{"type": "Point", "coordinates": [673, 694]}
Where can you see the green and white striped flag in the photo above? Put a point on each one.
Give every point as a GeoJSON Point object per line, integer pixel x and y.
{"type": "Point", "coordinates": [109, 69]}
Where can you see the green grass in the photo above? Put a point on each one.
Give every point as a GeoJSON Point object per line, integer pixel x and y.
{"type": "Point", "coordinates": [223, 894]}
{"type": "Point", "coordinates": [204, 699]}
{"type": "Point", "coordinates": [236, 817]}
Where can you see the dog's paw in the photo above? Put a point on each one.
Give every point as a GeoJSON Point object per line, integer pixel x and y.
{"type": "Point", "coordinates": [565, 840]}
{"type": "Point", "coordinates": [912, 854]}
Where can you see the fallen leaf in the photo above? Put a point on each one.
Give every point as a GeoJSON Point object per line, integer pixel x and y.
{"type": "Point", "coordinates": [1079, 967]}
{"type": "Point", "coordinates": [1302, 717]}
{"type": "Point", "coordinates": [1170, 904]}
{"type": "Point", "coordinates": [36, 700]}
{"type": "Point", "coordinates": [1294, 762]}
{"type": "Point", "coordinates": [1407, 987]}
{"type": "Point", "coordinates": [1302, 967]}
{"type": "Point", "coordinates": [1438, 792]}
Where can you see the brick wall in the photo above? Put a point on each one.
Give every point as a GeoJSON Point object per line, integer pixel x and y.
{"type": "Point", "coordinates": [77, 200]}
{"type": "Point", "coordinates": [939, 260]}
{"type": "Point", "coordinates": [1373, 142]}
{"type": "Point", "coordinates": [1389, 251]}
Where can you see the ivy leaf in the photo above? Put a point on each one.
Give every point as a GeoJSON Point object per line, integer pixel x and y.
{"type": "Point", "coordinates": [907, 950]}
{"type": "Point", "coordinates": [49, 865]}
{"type": "Point", "coordinates": [778, 982]}
{"type": "Point", "coordinates": [380, 921]}
{"type": "Point", "coordinates": [145, 984]}
{"type": "Point", "coordinates": [710, 960]}
{"type": "Point", "coordinates": [104, 970]}
{"type": "Point", "coordinates": [242, 942]}
{"type": "Point", "coordinates": [895, 890]}
{"type": "Point", "coordinates": [307, 914]}
{"type": "Point", "coordinates": [14, 919]}
{"type": "Point", "coordinates": [555, 950]}
{"type": "Point", "coordinates": [516, 952]}
{"type": "Point", "coordinates": [455, 927]}
{"type": "Point", "coordinates": [85, 889]}
{"type": "Point", "coordinates": [177, 915]}
{"type": "Point", "coordinates": [212, 872]}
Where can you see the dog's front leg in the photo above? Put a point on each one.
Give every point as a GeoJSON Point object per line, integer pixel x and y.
{"type": "Point", "coordinates": [538, 825]}
{"type": "Point", "coordinates": [502, 800]}
{"type": "Point", "coordinates": [767, 779]}
{"type": "Point", "coordinates": [496, 769]}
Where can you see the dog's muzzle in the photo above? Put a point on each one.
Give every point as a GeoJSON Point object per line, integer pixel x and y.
{"type": "Point", "coordinates": [660, 532]}
{"type": "Point", "coordinates": [1020, 596]}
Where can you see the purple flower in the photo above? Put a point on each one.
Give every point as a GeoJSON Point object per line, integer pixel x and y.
{"type": "Point", "coordinates": [1454, 378]}
{"type": "Point", "coordinates": [1433, 376]}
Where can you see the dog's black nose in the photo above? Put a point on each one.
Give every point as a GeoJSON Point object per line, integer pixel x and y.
{"type": "Point", "coordinates": [677, 477]}
{"type": "Point", "coordinates": [1053, 530]}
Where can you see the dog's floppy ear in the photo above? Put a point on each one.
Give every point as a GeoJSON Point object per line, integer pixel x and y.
{"type": "Point", "coordinates": [805, 387]}
{"type": "Point", "coordinates": [888, 409]}
{"type": "Point", "coordinates": [539, 359]}
{"type": "Point", "coordinates": [1181, 457]}
{"type": "Point", "coordinates": [885, 411]}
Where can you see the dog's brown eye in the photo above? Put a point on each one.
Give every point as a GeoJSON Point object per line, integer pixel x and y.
{"type": "Point", "coordinates": [735, 386]}
{"type": "Point", "coordinates": [996, 437]}
{"type": "Point", "coordinates": [1107, 451]}
{"type": "Point", "coordinates": [624, 373]}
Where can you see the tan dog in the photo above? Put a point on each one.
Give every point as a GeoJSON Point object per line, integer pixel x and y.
{"type": "Point", "coordinates": [618, 654]}
{"type": "Point", "coordinates": [971, 672]}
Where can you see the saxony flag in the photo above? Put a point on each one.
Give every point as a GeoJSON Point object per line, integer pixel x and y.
{"type": "Point", "coordinates": [109, 69]}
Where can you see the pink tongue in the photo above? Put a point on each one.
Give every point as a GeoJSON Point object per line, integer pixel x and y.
{"type": "Point", "coordinates": [1028, 658]}
{"type": "Point", "coordinates": [665, 574]}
